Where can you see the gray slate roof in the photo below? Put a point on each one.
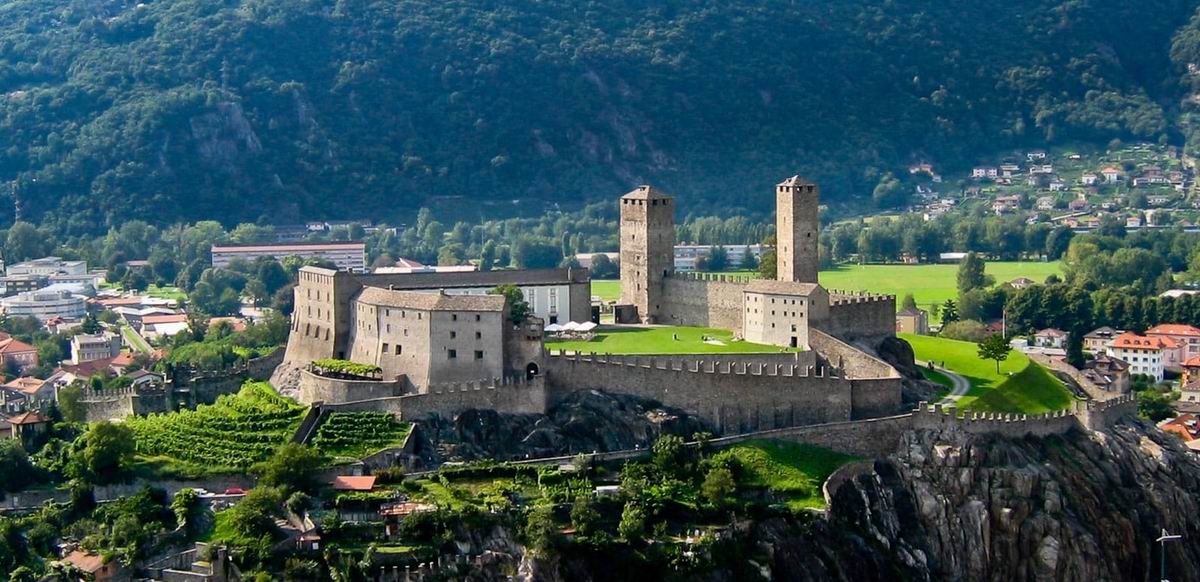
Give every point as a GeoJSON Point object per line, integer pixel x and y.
{"type": "Point", "coordinates": [430, 301]}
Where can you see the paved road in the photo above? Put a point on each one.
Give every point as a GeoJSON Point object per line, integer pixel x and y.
{"type": "Point", "coordinates": [961, 385]}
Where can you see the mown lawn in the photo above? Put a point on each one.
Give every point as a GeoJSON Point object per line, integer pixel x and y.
{"type": "Point", "coordinates": [929, 284]}
{"type": "Point", "coordinates": [790, 470]}
{"type": "Point", "coordinates": [660, 340]}
{"type": "Point", "coordinates": [1020, 386]}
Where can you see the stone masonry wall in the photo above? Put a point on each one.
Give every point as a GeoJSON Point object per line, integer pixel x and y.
{"type": "Point", "coordinates": [703, 301]}
{"type": "Point", "coordinates": [733, 398]}
{"type": "Point", "coordinates": [860, 315]}
{"type": "Point", "coordinates": [511, 397]}
{"type": "Point", "coordinates": [315, 388]}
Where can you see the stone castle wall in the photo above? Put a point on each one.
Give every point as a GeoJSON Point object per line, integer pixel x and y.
{"type": "Point", "coordinates": [702, 300]}
{"type": "Point", "coordinates": [855, 316]}
{"type": "Point", "coordinates": [182, 391]}
{"type": "Point", "coordinates": [517, 396]}
{"type": "Point", "coordinates": [317, 388]}
{"type": "Point", "coordinates": [732, 397]}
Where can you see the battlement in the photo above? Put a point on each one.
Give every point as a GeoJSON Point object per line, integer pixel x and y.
{"type": "Point", "coordinates": [702, 366]}
{"type": "Point", "coordinates": [843, 297]}
{"type": "Point", "coordinates": [91, 394]}
{"type": "Point", "coordinates": [1089, 414]}
{"type": "Point", "coordinates": [710, 277]}
{"type": "Point", "coordinates": [482, 384]}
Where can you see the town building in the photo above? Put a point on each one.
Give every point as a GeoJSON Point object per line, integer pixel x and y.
{"type": "Point", "coordinates": [1050, 338]}
{"type": "Point", "coordinates": [1145, 355]}
{"type": "Point", "coordinates": [347, 256]}
{"type": "Point", "coordinates": [1186, 426]}
{"type": "Point", "coordinates": [1187, 335]}
{"type": "Point", "coordinates": [912, 320]}
{"type": "Point", "coordinates": [89, 347]}
{"type": "Point", "coordinates": [45, 305]}
{"type": "Point", "coordinates": [1108, 374]}
{"type": "Point", "coordinates": [16, 355]}
{"type": "Point", "coordinates": [38, 393]}
{"type": "Point", "coordinates": [1111, 175]}
{"type": "Point", "coordinates": [164, 325]}
{"type": "Point", "coordinates": [1021, 282]}
{"type": "Point", "coordinates": [15, 284]}
{"type": "Point", "coordinates": [52, 270]}
{"type": "Point", "coordinates": [687, 256]}
{"type": "Point", "coordinates": [780, 313]}
{"type": "Point", "coordinates": [1097, 340]}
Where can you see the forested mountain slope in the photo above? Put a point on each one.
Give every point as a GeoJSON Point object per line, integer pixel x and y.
{"type": "Point", "coordinates": [286, 109]}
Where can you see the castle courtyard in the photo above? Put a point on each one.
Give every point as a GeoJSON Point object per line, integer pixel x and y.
{"type": "Point", "coordinates": [660, 339]}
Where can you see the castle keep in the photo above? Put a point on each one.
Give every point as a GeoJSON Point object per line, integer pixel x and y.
{"type": "Point", "coordinates": [444, 346]}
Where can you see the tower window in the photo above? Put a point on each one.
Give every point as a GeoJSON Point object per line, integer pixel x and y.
{"type": "Point", "coordinates": [452, 354]}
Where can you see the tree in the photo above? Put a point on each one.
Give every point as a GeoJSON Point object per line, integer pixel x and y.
{"type": "Point", "coordinates": [108, 452]}
{"type": "Point", "coordinates": [540, 530]}
{"type": "Point", "coordinates": [90, 324]}
{"type": "Point", "coordinates": [1075, 350]}
{"type": "Point", "coordinates": [718, 485]}
{"type": "Point", "coordinates": [15, 466]}
{"type": "Point", "coordinates": [718, 259]}
{"type": "Point", "coordinates": [908, 302]}
{"type": "Point", "coordinates": [632, 526]}
{"type": "Point", "coordinates": [766, 267]}
{"type": "Point", "coordinates": [187, 508]}
{"type": "Point", "coordinates": [518, 308]}
{"type": "Point", "coordinates": [24, 242]}
{"type": "Point", "coordinates": [603, 267]}
{"type": "Point", "coordinates": [967, 330]}
{"type": "Point", "coordinates": [1154, 406]}
{"type": "Point", "coordinates": [254, 516]}
{"type": "Point", "coordinates": [135, 280]}
{"type": "Point", "coordinates": [584, 515]}
{"type": "Point", "coordinates": [749, 262]}
{"type": "Point", "coordinates": [971, 274]}
{"type": "Point", "coordinates": [669, 452]}
{"type": "Point", "coordinates": [995, 347]}
{"type": "Point", "coordinates": [291, 468]}
{"type": "Point", "coordinates": [487, 256]}
{"type": "Point", "coordinates": [949, 312]}
{"type": "Point", "coordinates": [69, 402]}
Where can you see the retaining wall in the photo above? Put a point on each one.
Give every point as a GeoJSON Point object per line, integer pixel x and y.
{"type": "Point", "coordinates": [732, 397]}
{"type": "Point", "coordinates": [506, 396]}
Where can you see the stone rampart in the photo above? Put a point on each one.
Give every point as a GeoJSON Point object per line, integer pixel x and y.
{"type": "Point", "coordinates": [1096, 415]}
{"type": "Point", "coordinates": [111, 404]}
{"type": "Point", "coordinates": [856, 315]}
{"type": "Point", "coordinates": [318, 388]}
{"type": "Point", "coordinates": [734, 397]}
{"type": "Point", "coordinates": [703, 300]}
{"type": "Point", "coordinates": [511, 396]}
{"type": "Point", "coordinates": [1006, 424]}
{"type": "Point", "coordinates": [1060, 367]}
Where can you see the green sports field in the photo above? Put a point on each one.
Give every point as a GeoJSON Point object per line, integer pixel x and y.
{"type": "Point", "coordinates": [661, 340]}
{"type": "Point", "coordinates": [929, 284]}
{"type": "Point", "coordinates": [1022, 386]}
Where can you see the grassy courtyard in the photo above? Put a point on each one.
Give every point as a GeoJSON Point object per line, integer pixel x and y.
{"type": "Point", "coordinates": [929, 284]}
{"type": "Point", "coordinates": [660, 340]}
{"type": "Point", "coordinates": [1021, 386]}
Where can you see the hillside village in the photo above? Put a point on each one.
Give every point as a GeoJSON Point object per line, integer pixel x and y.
{"type": "Point", "coordinates": [1138, 185]}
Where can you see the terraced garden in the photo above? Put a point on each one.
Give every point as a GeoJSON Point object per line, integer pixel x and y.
{"type": "Point", "coordinates": [232, 434]}
{"type": "Point", "coordinates": [359, 434]}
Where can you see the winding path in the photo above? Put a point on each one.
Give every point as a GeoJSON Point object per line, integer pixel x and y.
{"type": "Point", "coordinates": [961, 384]}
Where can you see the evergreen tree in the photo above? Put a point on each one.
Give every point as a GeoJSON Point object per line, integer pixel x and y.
{"type": "Point", "coordinates": [971, 274]}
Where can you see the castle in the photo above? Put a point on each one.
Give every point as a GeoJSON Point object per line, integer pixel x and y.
{"type": "Point", "coordinates": [443, 345]}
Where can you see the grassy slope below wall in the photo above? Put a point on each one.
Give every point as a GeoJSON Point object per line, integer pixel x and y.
{"type": "Point", "coordinates": [790, 471]}
{"type": "Point", "coordinates": [1020, 386]}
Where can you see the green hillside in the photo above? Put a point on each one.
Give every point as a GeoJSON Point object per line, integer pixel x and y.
{"type": "Point", "coordinates": [248, 109]}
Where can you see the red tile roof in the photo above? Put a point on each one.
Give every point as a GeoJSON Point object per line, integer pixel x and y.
{"type": "Point", "coordinates": [28, 418]}
{"type": "Point", "coordinates": [1186, 425]}
{"type": "Point", "coordinates": [14, 346]}
{"type": "Point", "coordinates": [1192, 362]}
{"type": "Point", "coordinates": [27, 384]}
{"type": "Point", "coordinates": [1173, 329]}
{"type": "Point", "coordinates": [1130, 340]}
{"type": "Point", "coordinates": [349, 483]}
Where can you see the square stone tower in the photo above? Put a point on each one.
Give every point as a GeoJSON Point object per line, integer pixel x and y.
{"type": "Point", "coordinates": [796, 230]}
{"type": "Point", "coordinates": [647, 249]}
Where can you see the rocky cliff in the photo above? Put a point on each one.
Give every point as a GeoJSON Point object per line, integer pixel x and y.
{"type": "Point", "coordinates": [952, 506]}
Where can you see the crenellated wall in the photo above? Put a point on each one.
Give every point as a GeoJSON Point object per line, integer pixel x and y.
{"type": "Point", "coordinates": [703, 300]}
{"type": "Point", "coordinates": [513, 396]}
{"type": "Point", "coordinates": [856, 315]}
{"type": "Point", "coordinates": [733, 396]}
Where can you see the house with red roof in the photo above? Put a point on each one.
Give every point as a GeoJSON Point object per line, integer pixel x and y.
{"type": "Point", "coordinates": [1145, 355]}
{"type": "Point", "coordinates": [95, 566]}
{"type": "Point", "coordinates": [1187, 335]}
{"type": "Point", "coordinates": [16, 354]}
{"type": "Point", "coordinates": [37, 391]}
{"type": "Point", "coordinates": [1050, 338]}
{"type": "Point", "coordinates": [1186, 425]}
{"type": "Point", "coordinates": [28, 425]}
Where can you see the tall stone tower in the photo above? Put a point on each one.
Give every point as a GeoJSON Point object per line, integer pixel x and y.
{"type": "Point", "coordinates": [647, 249]}
{"type": "Point", "coordinates": [796, 230]}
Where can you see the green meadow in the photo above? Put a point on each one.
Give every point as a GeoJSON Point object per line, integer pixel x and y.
{"type": "Point", "coordinates": [660, 340]}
